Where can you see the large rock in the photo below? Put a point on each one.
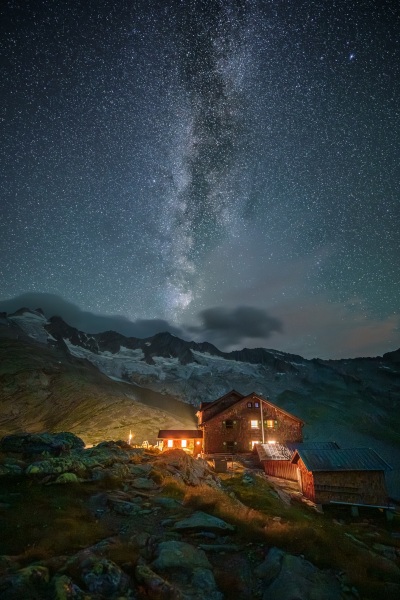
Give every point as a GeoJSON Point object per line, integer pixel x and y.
{"type": "Point", "coordinates": [289, 577]}
{"type": "Point", "coordinates": [173, 554]}
{"type": "Point", "coordinates": [30, 582]}
{"type": "Point", "coordinates": [103, 577]}
{"type": "Point", "coordinates": [187, 568]}
{"type": "Point", "coordinates": [29, 444]}
{"type": "Point", "coordinates": [190, 470]}
{"type": "Point", "coordinates": [201, 521]}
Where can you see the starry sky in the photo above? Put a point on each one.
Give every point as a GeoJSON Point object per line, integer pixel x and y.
{"type": "Point", "coordinates": [227, 170]}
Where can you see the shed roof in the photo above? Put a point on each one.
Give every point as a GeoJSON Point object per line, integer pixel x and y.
{"type": "Point", "coordinates": [312, 445]}
{"type": "Point", "coordinates": [273, 452]}
{"type": "Point", "coordinates": [180, 434]}
{"type": "Point", "coordinates": [340, 459]}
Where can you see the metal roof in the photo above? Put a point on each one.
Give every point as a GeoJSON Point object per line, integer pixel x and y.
{"type": "Point", "coordinates": [341, 459]}
{"type": "Point", "coordinates": [273, 452]}
{"type": "Point", "coordinates": [180, 434]}
{"type": "Point", "coordinates": [312, 445]}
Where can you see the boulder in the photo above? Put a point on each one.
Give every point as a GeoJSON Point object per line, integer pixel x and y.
{"type": "Point", "coordinates": [65, 589]}
{"type": "Point", "coordinates": [201, 521]}
{"type": "Point", "coordinates": [67, 478]}
{"type": "Point", "coordinates": [290, 577]}
{"type": "Point", "coordinates": [30, 582]}
{"type": "Point", "coordinates": [173, 554]}
{"type": "Point", "coordinates": [193, 471]}
{"type": "Point", "coordinates": [103, 577]}
{"type": "Point", "coordinates": [33, 444]}
{"type": "Point", "coordinates": [187, 568]}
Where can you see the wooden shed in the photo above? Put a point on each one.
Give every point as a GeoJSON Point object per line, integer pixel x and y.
{"type": "Point", "coordinates": [190, 440]}
{"type": "Point", "coordinates": [350, 475]}
{"type": "Point", "coordinates": [275, 459]}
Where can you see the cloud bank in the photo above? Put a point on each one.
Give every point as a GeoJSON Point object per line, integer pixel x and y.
{"type": "Point", "coordinates": [235, 326]}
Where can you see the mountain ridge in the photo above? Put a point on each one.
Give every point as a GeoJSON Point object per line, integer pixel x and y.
{"type": "Point", "coordinates": [352, 401]}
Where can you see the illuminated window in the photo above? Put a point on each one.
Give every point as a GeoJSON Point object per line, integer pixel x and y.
{"type": "Point", "coordinates": [249, 405]}
{"type": "Point", "coordinates": [271, 442]}
{"type": "Point", "coordinates": [254, 424]}
{"type": "Point", "coordinates": [170, 443]}
{"type": "Point", "coordinates": [254, 442]}
{"type": "Point", "coordinates": [256, 405]}
{"type": "Point", "coordinates": [270, 424]}
{"type": "Point", "coordinates": [184, 443]}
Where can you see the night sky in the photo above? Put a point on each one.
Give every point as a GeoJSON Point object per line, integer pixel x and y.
{"type": "Point", "coordinates": [227, 170]}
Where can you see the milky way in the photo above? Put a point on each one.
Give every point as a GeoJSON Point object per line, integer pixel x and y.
{"type": "Point", "coordinates": [161, 160]}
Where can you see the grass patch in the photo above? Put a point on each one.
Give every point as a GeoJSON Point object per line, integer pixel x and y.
{"type": "Point", "coordinates": [254, 509]}
{"type": "Point", "coordinates": [46, 521]}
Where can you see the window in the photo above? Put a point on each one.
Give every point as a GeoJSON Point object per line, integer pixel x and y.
{"type": "Point", "coordinates": [249, 405]}
{"type": "Point", "coordinates": [230, 446]}
{"type": "Point", "coordinates": [271, 424]}
{"type": "Point", "coordinates": [170, 443]}
{"type": "Point", "coordinates": [253, 443]}
{"type": "Point", "coordinates": [183, 443]}
{"type": "Point", "coordinates": [254, 424]}
{"type": "Point", "coordinates": [229, 424]}
{"type": "Point", "coordinates": [256, 405]}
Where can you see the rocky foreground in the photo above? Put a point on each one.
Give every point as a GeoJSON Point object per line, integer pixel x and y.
{"type": "Point", "coordinates": [118, 522]}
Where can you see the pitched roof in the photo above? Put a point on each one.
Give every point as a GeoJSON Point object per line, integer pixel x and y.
{"type": "Point", "coordinates": [338, 459]}
{"type": "Point", "coordinates": [233, 393]}
{"type": "Point", "coordinates": [180, 434]}
{"type": "Point", "coordinates": [231, 398]}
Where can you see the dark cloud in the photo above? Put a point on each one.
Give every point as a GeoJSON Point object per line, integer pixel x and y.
{"type": "Point", "coordinates": [53, 305]}
{"type": "Point", "coordinates": [230, 327]}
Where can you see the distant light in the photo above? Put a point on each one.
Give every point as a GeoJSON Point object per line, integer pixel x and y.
{"type": "Point", "coordinates": [271, 442]}
{"type": "Point", "coordinates": [198, 443]}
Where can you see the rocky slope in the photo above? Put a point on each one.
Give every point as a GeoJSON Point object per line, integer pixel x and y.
{"type": "Point", "coordinates": [354, 402]}
{"type": "Point", "coordinates": [117, 522]}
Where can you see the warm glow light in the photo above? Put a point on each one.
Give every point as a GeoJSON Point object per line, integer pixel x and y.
{"type": "Point", "coordinates": [254, 424]}
{"type": "Point", "coordinates": [184, 443]}
{"type": "Point", "coordinates": [270, 423]}
{"type": "Point", "coordinates": [254, 442]}
{"type": "Point", "coordinates": [198, 443]}
{"type": "Point", "coordinates": [271, 442]}
{"type": "Point", "coordinates": [130, 437]}
{"type": "Point", "coordinates": [170, 443]}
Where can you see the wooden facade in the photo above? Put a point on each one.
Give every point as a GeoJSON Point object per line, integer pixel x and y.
{"type": "Point", "coordinates": [235, 423]}
{"type": "Point", "coordinates": [352, 476]}
{"type": "Point", "coordinates": [189, 440]}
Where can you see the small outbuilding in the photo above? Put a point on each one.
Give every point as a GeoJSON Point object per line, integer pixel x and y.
{"type": "Point", "coordinates": [189, 440]}
{"type": "Point", "coordinates": [341, 475]}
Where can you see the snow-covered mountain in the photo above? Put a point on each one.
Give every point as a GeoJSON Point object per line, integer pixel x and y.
{"type": "Point", "coordinates": [352, 401]}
